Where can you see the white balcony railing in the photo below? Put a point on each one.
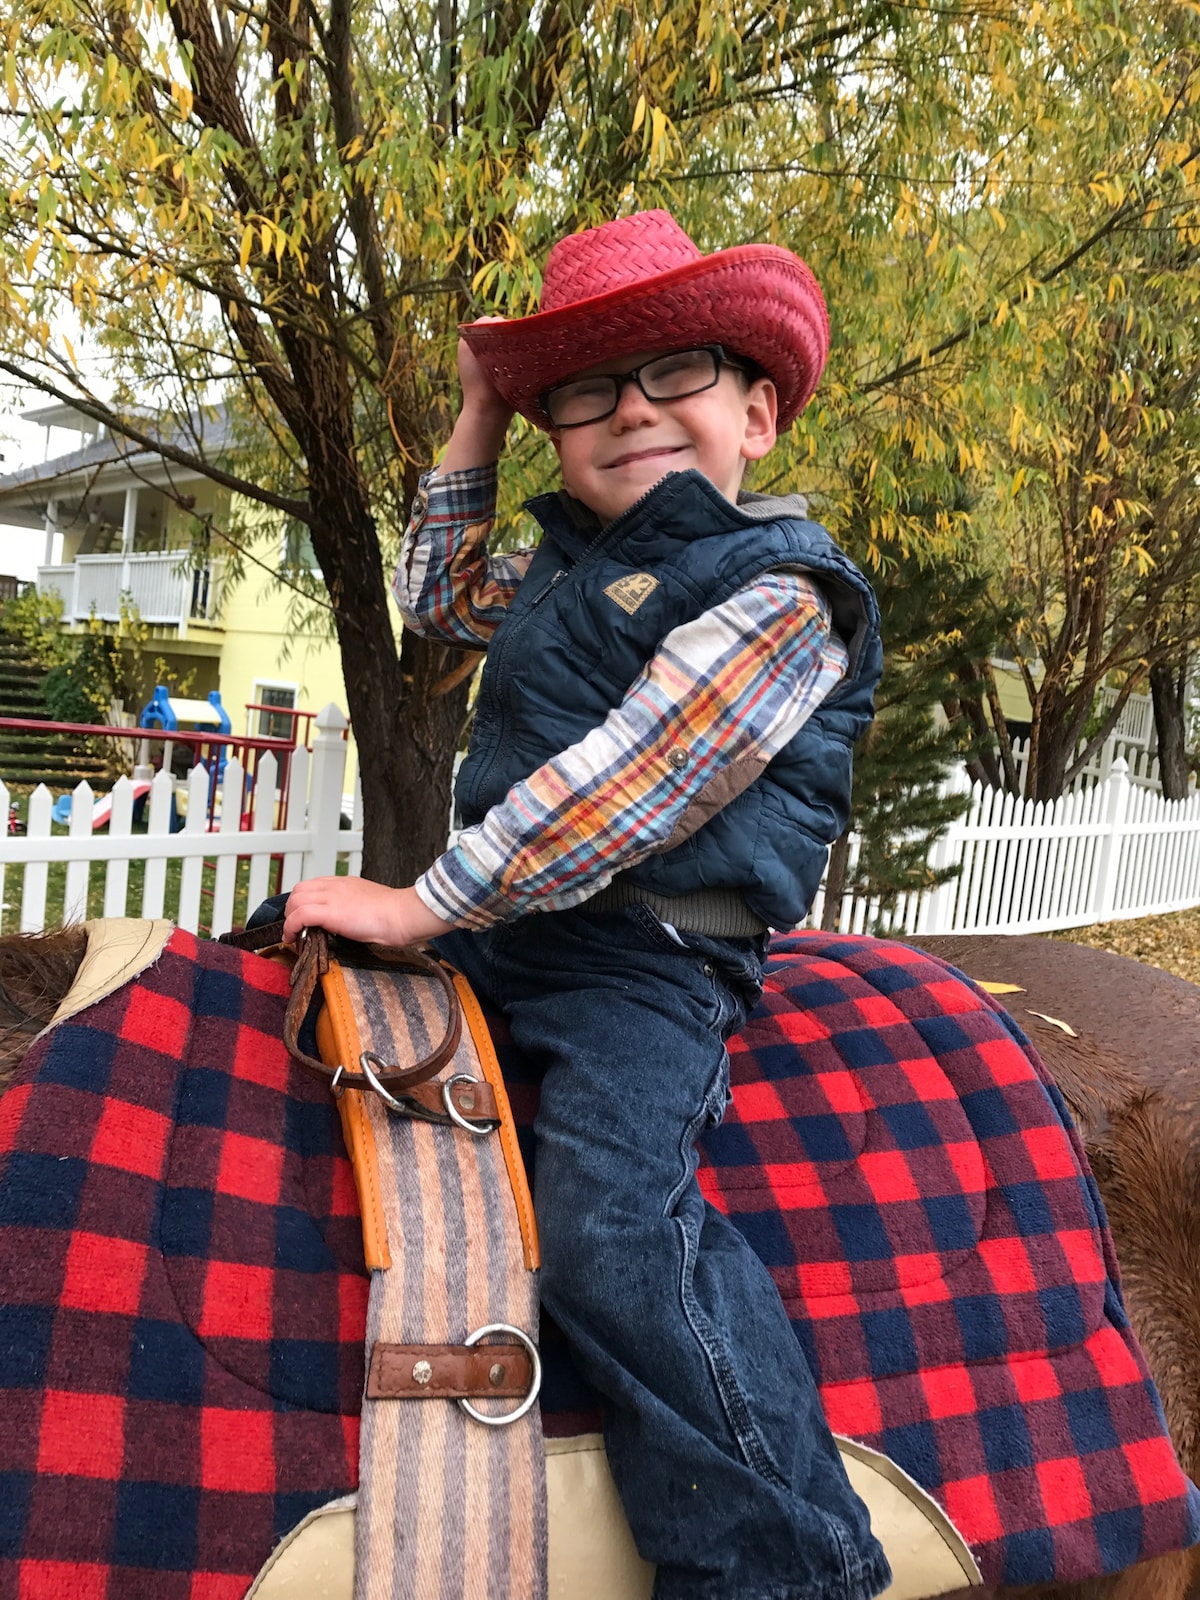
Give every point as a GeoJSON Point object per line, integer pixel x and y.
{"type": "Point", "coordinates": [162, 589]}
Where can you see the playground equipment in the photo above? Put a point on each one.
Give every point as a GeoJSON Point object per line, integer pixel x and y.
{"type": "Point", "coordinates": [203, 729]}
{"type": "Point", "coordinates": [102, 808]}
{"type": "Point", "coordinates": [182, 715]}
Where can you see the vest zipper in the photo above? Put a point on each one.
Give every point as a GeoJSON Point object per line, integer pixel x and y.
{"type": "Point", "coordinates": [612, 529]}
{"type": "Point", "coordinates": [516, 628]}
{"type": "Point", "coordinates": [615, 527]}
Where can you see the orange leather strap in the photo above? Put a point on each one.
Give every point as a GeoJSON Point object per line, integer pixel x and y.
{"type": "Point", "coordinates": [338, 1041]}
{"type": "Point", "coordinates": [490, 1067]}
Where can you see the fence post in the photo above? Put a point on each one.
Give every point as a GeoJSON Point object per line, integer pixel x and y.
{"type": "Point", "coordinates": [935, 913]}
{"type": "Point", "coordinates": [325, 793]}
{"type": "Point", "coordinates": [1108, 860]}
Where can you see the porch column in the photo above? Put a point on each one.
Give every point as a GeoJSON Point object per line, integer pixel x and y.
{"type": "Point", "coordinates": [128, 535]}
{"type": "Point", "coordinates": [50, 524]}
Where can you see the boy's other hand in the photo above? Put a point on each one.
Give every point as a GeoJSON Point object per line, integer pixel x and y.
{"type": "Point", "coordinates": [359, 909]}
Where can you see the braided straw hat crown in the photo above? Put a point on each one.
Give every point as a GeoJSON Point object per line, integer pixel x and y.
{"type": "Point", "coordinates": [640, 284]}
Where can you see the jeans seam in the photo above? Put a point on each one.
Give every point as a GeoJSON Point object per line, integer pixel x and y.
{"type": "Point", "coordinates": [729, 1391]}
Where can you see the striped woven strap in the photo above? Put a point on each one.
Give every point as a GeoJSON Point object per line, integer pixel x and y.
{"type": "Point", "coordinates": [449, 1507]}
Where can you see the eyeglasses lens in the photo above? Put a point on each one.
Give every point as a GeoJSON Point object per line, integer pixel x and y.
{"type": "Point", "coordinates": [669, 377]}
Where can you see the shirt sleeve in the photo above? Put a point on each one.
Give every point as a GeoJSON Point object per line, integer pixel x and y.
{"type": "Point", "coordinates": [447, 585]}
{"type": "Point", "coordinates": [721, 697]}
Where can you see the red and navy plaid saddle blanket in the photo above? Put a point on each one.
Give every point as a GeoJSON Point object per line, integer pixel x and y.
{"type": "Point", "coordinates": [183, 1299]}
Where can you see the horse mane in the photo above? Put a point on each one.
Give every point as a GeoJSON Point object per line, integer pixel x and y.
{"type": "Point", "coordinates": [36, 971]}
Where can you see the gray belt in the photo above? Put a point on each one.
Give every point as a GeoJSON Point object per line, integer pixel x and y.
{"type": "Point", "coordinates": [720, 913]}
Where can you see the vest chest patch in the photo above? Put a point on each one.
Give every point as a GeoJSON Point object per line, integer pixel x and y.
{"type": "Point", "coordinates": [629, 592]}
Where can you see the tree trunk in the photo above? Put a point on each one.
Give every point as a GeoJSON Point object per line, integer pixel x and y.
{"type": "Point", "coordinates": [1052, 742]}
{"type": "Point", "coordinates": [1168, 684]}
{"type": "Point", "coordinates": [835, 882]}
{"type": "Point", "coordinates": [406, 721]}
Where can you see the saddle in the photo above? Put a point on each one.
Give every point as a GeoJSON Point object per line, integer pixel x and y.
{"type": "Point", "coordinates": [183, 1292]}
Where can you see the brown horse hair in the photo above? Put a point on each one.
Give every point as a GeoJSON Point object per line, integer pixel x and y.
{"type": "Point", "coordinates": [1149, 1178]}
{"type": "Point", "coordinates": [36, 971]}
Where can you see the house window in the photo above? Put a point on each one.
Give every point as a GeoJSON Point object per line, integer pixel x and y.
{"type": "Point", "coordinates": [270, 725]}
{"type": "Point", "coordinates": [297, 554]}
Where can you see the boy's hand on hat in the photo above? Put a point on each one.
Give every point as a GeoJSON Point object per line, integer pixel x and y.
{"type": "Point", "coordinates": [478, 391]}
{"type": "Point", "coordinates": [478, 436]}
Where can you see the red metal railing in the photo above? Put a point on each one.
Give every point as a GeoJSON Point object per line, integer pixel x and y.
{"type": "Point", "coordinates": [207, 748]}
{"type": "Point", "coordinates": [296, 716]}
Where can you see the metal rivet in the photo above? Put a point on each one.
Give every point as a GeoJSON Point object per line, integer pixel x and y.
{"type": "Point", "coordinates": [422, 1372]}
{"type": "Point", "coordinates": [466, 1100]}
{"type": "Point", "coordinates": [496, 1374]}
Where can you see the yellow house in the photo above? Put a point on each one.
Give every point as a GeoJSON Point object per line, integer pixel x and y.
{"type": "Point", "coordinates": [118, 544]}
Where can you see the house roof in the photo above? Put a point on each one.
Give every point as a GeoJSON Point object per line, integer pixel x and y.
{"type": "Point", "coordinates": [77, 470]}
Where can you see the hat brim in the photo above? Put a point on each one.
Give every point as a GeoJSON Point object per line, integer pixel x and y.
{"type": "Point", "coordinates": [756, 300]}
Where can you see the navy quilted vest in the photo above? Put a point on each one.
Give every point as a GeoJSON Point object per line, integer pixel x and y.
{"type": "Point", "coordinates": [567, 652]}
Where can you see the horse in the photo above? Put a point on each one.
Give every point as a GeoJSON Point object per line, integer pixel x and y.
{"type": "Point", "coordinates": [1122, 1042]}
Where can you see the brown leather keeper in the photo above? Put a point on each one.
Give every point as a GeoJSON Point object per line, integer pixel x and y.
{"type": "Point", "coordinates": [474, 1101]}
{"type": "Point", "coordinates": [456, 1372]}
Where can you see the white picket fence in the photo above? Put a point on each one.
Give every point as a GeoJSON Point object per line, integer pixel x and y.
{"type": "Point", "coordinates": [1107, 851]}
{"type": "Point", "coordinates": [1141, 763]}
{"type": "Point", "coordinates": [300, 838]}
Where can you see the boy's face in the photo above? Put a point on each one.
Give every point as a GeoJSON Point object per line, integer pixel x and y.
{"type": "Point", "coordinates": [611, 463]}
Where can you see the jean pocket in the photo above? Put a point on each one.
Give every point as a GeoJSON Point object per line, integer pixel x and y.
{"type": "Point", "coordinates": [662, 937]}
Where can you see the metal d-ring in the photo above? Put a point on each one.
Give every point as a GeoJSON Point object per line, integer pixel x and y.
{"type": "Point", "coordinates": [477, 1130]}
{"type": "Point", "coordinates": [535, 1383]}
{"type": "Point", "coordinates": [364, 1062]}
{"type": "Point", "coordinates": [336, 1087]}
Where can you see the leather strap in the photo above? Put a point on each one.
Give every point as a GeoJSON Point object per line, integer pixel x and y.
{"type": "Point", "coordinates": [311, 965]}
{"type": "Point", "coordinates": [448, 1372]}
{"type": "Point", "coordinates": [475, 1102]}
{"type": "Point", "coordinates": [267, 936]}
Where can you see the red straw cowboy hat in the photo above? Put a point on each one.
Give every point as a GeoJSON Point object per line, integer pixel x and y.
{"type": "Point", "coordinates": [641, 284]}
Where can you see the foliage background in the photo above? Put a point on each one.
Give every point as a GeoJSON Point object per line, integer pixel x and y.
{"type": "Point", "coordinates": [289, 205]}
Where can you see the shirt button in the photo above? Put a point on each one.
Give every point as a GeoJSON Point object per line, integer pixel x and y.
{"type": "Point", "coordinates": [678, 757]}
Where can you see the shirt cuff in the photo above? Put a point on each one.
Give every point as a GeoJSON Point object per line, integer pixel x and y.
{"type": "Point", "coordinates": [473, 481]}
{"type": "Point", "coordinates": [456, 894]}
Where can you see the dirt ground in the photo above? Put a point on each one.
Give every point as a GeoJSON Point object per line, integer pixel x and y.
{"type": "Point", "coordinates": [1171, 942]}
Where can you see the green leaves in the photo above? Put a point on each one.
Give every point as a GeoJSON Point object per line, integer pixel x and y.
{"type": "Point", "coordinates": [296, 204]}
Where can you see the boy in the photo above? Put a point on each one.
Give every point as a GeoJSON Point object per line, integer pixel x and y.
{"type": "Point", "coordinates": [660, 757]}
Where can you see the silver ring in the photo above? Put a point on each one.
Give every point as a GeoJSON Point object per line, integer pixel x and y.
{"type": "Point", "coordinates": [535, 1383]}
{"type": "Point", "coordinates": [336, 1089]}
{"type": "Point", "coordinates": [475, 1129]}
{"type": "Point", "coordinates": [364, 1061]}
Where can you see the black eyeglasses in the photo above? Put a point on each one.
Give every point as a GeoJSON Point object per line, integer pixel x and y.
{"type": "Point", "coordinates": [671, 377]}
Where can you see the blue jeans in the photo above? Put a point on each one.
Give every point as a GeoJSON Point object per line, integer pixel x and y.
{"type": "Point", "coordinates": [727, 1470]}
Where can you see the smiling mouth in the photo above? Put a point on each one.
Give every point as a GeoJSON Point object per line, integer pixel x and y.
{"type": "Point", "coordinates": [646, 455]}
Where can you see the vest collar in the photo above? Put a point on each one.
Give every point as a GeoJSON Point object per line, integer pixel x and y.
{"type": "Point", "coordinates": [683, 505]}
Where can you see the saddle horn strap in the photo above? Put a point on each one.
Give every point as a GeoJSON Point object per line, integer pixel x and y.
{"type": "Point", "coordinates": [446, 1507]}
{"type": "Point", "coordinates": [313, 963]}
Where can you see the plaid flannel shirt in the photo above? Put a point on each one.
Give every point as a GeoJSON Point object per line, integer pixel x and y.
{"type": "Point", "coordinates": [739, 681]}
